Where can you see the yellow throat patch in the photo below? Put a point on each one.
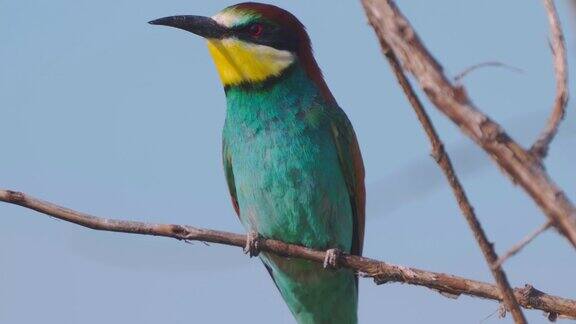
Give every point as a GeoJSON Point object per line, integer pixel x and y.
{"type": "Point", "coordinates": [238, 62]}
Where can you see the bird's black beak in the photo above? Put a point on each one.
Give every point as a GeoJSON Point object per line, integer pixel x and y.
{"type": "Point", "coordinates": [201, 26]}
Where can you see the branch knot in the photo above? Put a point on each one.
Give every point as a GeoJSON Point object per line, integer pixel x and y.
{"type": "Point", "coordinates": [16, 196]}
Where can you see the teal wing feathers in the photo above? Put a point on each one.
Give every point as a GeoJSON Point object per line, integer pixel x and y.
{"type": "Point", "coordinates": [353, 170]}
{"type": "Point", "coordinates": [229, 173]}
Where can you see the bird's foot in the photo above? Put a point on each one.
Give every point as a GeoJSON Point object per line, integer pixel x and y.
{"type": "Point", "coordinates": [332, 259]}
{"type": "Point", "coordinates": [252, 247]}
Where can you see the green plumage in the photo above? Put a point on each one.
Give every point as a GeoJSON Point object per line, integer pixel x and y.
{"type": "Point", "coordinates": [288, 158]}
{"type": "Point", "coordinates": [292, 161]}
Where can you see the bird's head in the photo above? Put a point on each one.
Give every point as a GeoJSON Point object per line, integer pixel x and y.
{"type": "Point", "coordinates": [252, 43]}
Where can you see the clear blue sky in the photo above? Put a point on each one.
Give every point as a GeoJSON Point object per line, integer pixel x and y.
{"type": "Point", "coordinates": [104, 113]}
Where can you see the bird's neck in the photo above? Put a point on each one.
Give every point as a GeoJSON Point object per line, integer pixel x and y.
{"type": "Point", "coordinates": [293, 83]}
{"type": "Point", "coordinates": [274, 100]}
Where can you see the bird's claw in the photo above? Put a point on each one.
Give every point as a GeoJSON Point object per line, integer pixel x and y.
{"type": "Point", "coordinates": [252, 247]}
{"type": "Point", "coordinates": [332, 259]}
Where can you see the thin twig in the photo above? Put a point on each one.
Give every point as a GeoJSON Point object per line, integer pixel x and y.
{"type": "Point", "coordinates": [381, 272]}
{"type": "Point", "coordinates": [541, 146]}
{"type": "Point", "coordinates": [519, 164]}
{"type": "Point", "coordinates": [475, 67]}
{"type": "Point", "coordinates": [443, 160]}
{"type": "Point", "coordinates": [520, 245]}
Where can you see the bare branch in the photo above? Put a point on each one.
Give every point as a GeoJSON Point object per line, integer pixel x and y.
{"type": "Point", "coordinates": [519, 164]}
{"type": "Point", "coordinates": [443, 160]}
{"type": "Point", "coordinates": [381, 272]}
{"type": "Point", "coordinates": [520, 245]}
{"type": "Point", "coordinates": [541, 146]}
{"type": "Point", "coordinates": [475, 67]}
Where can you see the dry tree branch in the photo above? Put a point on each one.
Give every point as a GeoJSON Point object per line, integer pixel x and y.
{"type": "Point", "coordinates": [443, 160]}
{"type": "Point", "coordinates": [558, 46]}
{"type": "Point", "coordinates": [520, 165]}
{"type": "Point", "coordinates": [520, 245]}
{"type": "Point", "coordinates": [381, 272]}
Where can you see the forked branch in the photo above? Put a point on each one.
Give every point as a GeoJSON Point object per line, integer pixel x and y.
{"type": "Point", "coordinates": [443, 160]}
{"type": "Point", "coordinates": [381, 272]}
{"type": "Point", "coordinates": [393, 29]}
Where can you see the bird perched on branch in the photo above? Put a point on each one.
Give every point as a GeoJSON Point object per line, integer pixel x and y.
{"type": "Point", "coordinates": [291, 158]}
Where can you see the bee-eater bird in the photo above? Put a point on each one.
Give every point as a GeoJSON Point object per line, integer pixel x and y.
{"type": "Point", "coordinates": [291, 158]}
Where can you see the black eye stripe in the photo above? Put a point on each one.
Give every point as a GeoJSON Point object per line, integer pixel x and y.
{"type": "Point", "coordinates": [270, 35]}
{"type": "Point", "coordinates": [246, 29]}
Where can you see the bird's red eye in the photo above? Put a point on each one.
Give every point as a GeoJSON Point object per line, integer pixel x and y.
{"type": "Point", "coordinates": [256, 30]}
